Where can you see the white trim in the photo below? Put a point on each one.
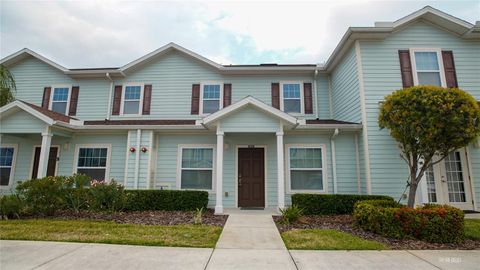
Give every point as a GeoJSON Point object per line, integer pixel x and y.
{"type": "Point", "coordinates": [357, 165]}
{"type": "Point", "coordinates": [94, 145]}
{"type": "Point", "coordinates": [471, 177]}
{"type": "Point", "coordinates": [137, 157]}
{"type": "Point", "coordinates": [265, 158]}
{"type": "Point", "coordinates": [125, 178]}
{"type": "Point", "coordinates": [24, 52]}
{"type": "Point", "coordinates": [33, 158]}
{"type": "Point", "coordinates": [220, 101]}
{"type": "Point", "coordinates": [67, 107]}
{"type": "Point", "coordinates": [302, 97]}
{"type": "Point", "coordinates": [334, 160]}
{"type": "Point", "coordinates": [249, 101]}
{"type": "Point", "coordinates": [280, 167]}
{"type": "Point", "coordinates": [26, 108]}
{"type": "Point", "coordinates": [179, 165]}
{"type": "Point", "coordinates": [14, 162]}
{"type": "Point", "coordinates": [428, 9]}
{"type": "Point", "coordinates": [219, 171]}
{"type": "Point", "coordinates": [323, 169]}
{"type": "Point", "coordinates": [150, 161]}
{"type": "Point", "coordinates": [140, 104]}
{"type": "Point", "coordinates": [441, 68]}
{"type": "Point", "coordinates": [363, 106]}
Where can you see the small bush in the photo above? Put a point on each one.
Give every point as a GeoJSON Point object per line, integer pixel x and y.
{"type": "Point", "coordinates": [76, 192]}
{"type": "Point", "coordinates": [11, 206]}
{"type": "Point", "coordinates": [43, 196]}
{"type": "Point", "coordinates": [107, 196]}
{"type": "Point", "coordinates": [432, 223]}
{"type": "Point", "coordinates": [331, 204]}
{"type": "Point", "coordinates": [291, 214]}
{"type": "Point", "coordinates": [169, 200]}
{"type": "Point", "coordinates": [198, 216]}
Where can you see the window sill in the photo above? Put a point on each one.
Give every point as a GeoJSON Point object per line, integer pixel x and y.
{"type": "Point", "coordinates": [316, 191]}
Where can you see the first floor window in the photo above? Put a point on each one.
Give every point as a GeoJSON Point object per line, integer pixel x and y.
{"type": "Point", "coordinates": [131, 100]}
{"type": "Point", "coordinates": [60, 99]}
{"type": "Point", "coordinates": [292, 102]}
{"type": "Point", "coordinates": [197, 168]}
{"type": "Point", "coordinates": [428, 68]}
{"type": "Point", "coordinates": [305, 168]}
{"type": "Point", "coordinates": [93, 162]}
{"type": "Point", "coordinates": [6, 163]}
{"type": "Point", "coordinates": [211, 98]}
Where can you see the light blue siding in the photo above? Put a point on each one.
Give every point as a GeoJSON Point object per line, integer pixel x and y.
{"type": "Point", "coordinates": [21, 122]}
{"type": "Point", "coordinates": [345, 90]}
{"type": "Point", "coordinates": [382, 76]}
{"type": "Point", "coordinates": [250, 120]}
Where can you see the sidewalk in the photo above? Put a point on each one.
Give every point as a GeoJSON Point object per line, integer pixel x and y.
{"type": "Point", "coordinates": [249, 241]}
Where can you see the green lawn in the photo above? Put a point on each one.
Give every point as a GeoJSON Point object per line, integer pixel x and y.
{"type": "Point", "coordinates": [110, 232]}
{"type": "Point", "coordinates": [327, 240]}
{"type": "Point", "coordinates": [472, 229]}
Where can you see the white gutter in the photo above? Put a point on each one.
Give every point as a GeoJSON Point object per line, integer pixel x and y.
{"type": "Point", "coordinates": [315, 94]}
{"type": "Point", "coordinates": [109, 96]}
{"type": "Point", "coordinates": [137, 157]}
{"type": "Point", "coordinates": [334, 160]}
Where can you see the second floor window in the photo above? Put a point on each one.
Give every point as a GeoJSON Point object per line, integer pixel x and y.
{"type": "Point", "coordinates": [292, 98]}
{"type": "Point", "coordinates": [132, 99]}
{"type": "Point", "coordinates": [427, 67]}
{"type": "Point", "coordinates": [211, 96]}
{"type": "Point", "coordinates": [60, 99]}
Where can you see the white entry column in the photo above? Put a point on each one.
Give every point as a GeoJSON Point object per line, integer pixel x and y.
{"type": "Point", "coordinates": [44, 153]}
{"type": "Point", "coordinates": [219, 173]}
{"type": "Point", "coordinates": [280, 170]}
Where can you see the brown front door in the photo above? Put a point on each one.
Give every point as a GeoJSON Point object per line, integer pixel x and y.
{"type": "Point", "coordinates": [52, 162]}
{"type": "Point", "coordinates": [251, 177]}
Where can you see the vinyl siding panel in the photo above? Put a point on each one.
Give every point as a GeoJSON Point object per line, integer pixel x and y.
{"type": "Point", "coordinates": [382, 76]}
{"type": "Point", "coordinates": [250, 120]}
{"type": "Point", "coordinates": [345, 89]}
{"type": "Point", "coordinates": [21, 122]}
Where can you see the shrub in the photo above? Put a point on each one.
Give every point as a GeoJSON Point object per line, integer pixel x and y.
{"type": "Point", "coordinates": [43, 196]}
{"type": "Point", "coordinates": [11, 206]}
{"type": "Point", "coordinates": [432, 223]}
{"type": "Point", "coordinates": [331, 204]}
{"type": "Point", "coordinates": [107, 196]}
{"type": "Point", "coordinates": [76, 192]}
{"type": "Point", "coordinates": [198, 216]}
{"type": "Point", "coordinates": [169, 200]}
{"type": "Point", "coordinates": [291, 214]}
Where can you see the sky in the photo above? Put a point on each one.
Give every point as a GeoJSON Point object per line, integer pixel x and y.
{"type": "Point", "coordinates": [79, 34]}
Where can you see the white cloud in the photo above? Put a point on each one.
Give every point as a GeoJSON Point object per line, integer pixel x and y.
{"type": "Point", "coordinates": [107, 33]}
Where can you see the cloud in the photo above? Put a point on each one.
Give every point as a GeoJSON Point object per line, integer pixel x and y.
{"type": "Point", "coordinates": [108, 33]}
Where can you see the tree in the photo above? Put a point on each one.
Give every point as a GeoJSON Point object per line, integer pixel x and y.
{"type": "Point", "coordinates": [429, 121]}
{"type": "Point", "coordinates": [7, 86]}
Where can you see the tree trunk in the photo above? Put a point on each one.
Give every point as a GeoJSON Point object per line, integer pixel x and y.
{"type": "Point", "coordinates": [413, 188]}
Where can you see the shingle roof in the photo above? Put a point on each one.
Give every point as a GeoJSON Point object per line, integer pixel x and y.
{"type": "Point", "coordinates": [140, 122]}
{"type": "Point", "coordinates": [54, 115]}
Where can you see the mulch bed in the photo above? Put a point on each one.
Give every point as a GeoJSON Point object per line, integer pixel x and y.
{"type": "Point", "coordinates": [344, 223]}
{"type": "Point", "coordinates": [144, 217]}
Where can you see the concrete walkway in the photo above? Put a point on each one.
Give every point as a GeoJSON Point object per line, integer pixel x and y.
{"type": "Point", "coordinates": [250, 240]}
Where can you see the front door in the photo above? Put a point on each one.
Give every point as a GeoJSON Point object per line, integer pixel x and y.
{"type": "Point", "coordinates": [251, 177]}
{"type": "Point", "coordinates": [448, 182]}
{"type": "Point", "coordinates": [52, 161]}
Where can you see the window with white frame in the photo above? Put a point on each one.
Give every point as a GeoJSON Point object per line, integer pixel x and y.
{"type": "Point", "coordinates": [305, 168]}
{"type": "Point", "coordinates": [93, 161]}
{"type": "Point", "coordinates": [428, 67]}
{"type": "Point", "coordinates": [196, 168]}
{"type": "Point", "coordinates": [7, 160]}
{"type": "Point", "coordinates": [60, 99]}
{"type": "Point", "coordinates": [292, 97]}
{"type": "Point", "coordinates": [132, 99]}
{"type": "Point", "coordinates": [211, 98]}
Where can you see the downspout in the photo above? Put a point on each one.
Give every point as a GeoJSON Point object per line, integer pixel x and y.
{"type": "Point", "coordinates": [334, 160]}
{"type": "Point", "coordinates": [137, 157]}
{"type": "Point", "coordinates": [109, 95]}
{"type": "Point", "coordinates": [315, 94]}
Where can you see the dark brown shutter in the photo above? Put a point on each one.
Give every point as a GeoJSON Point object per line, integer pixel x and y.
{"type": "Point", "coordinates": [307, 96]}
{"type": "Point", "coordinates": [406, 68]}
{"type": "Point", "coordinates": [147, 99]}
{"type": "Point", "coordinates": [276, 95]}
{"type": "Point", "coordinates": [195, 98]}
{"type": "Point", "coordinates": [449, 66]}
{"type": "Point", "coordinates": [46, 97]}
{"type": "Point", "coordinates": [117, 100]}
{"type": "Point", "coordinates": [227, 94]}
{"type": "Point", "coordinates": [74, 101]}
